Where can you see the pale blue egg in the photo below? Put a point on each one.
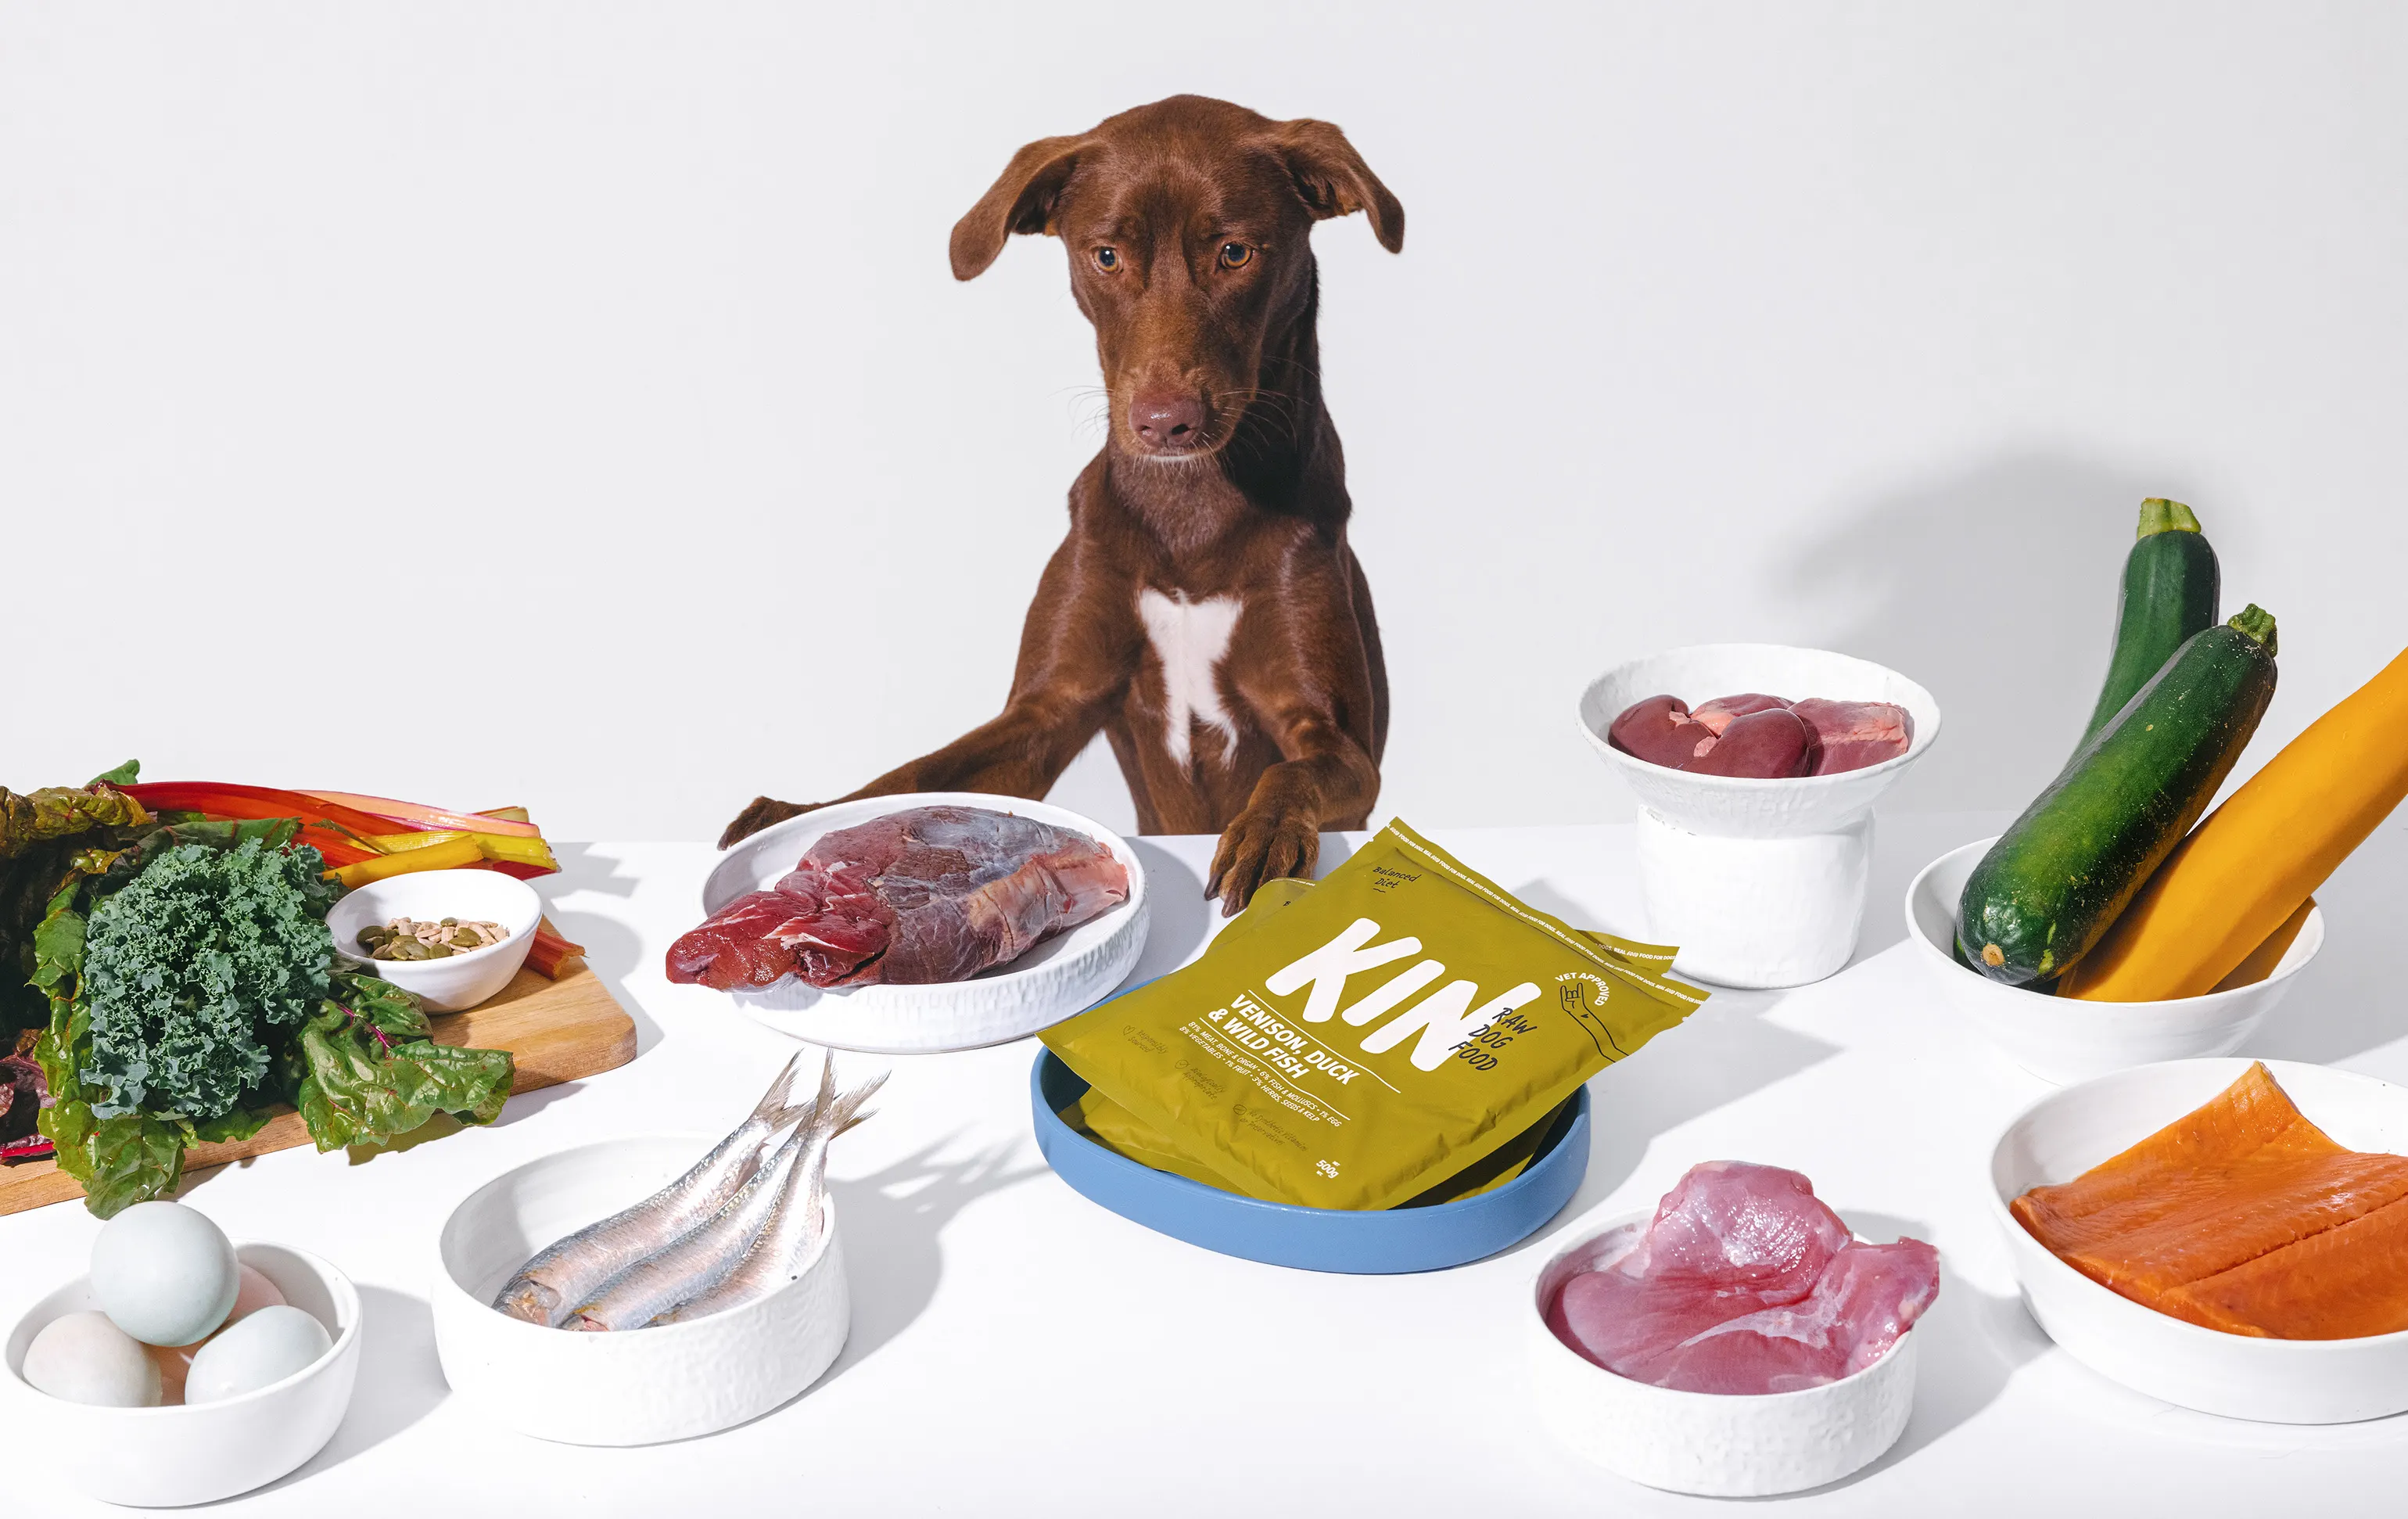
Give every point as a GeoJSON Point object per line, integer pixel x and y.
{"type": "Point", "coordinates": [267, 1347]}
{"type": "Point", "coordinates": [165, 1273]}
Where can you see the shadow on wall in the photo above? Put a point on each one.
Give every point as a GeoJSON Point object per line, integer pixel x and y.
{"type": "Point", "coordinates": [1994, 589]}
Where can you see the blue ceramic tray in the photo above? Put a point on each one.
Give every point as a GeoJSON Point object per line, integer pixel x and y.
{"type": "Point", "coordinates": [1315, 1239]}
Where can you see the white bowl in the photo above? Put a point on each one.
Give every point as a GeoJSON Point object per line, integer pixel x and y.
{"type": "Point", "coordinates": [458, 981]}
{"type": "Point", "coordinates": [2238, 1376]}
{"type": "Point", "coordinates": [1718, 1444]}
{"type": "Point", "coordinates": [1734, 806]}
{"type": "Point", "coordinates": [1066, 974]}
{"type": "Point", "coordinates": [636, 1387]}
{"type": "Point", "coordinates": [167, 1457]}
{"type": "Point", "coordinates": [2065, 1038]}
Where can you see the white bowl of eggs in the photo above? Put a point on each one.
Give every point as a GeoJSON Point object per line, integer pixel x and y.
{"type": "Point", "coordinates": [185, 1368]}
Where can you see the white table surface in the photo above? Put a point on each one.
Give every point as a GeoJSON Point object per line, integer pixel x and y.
{"type": "Point", "coordinates": [1017, 1350]}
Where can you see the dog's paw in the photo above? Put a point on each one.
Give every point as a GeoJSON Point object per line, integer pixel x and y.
{"type": "Point", "coordinates": [764, 811]}
{"type": "Point", "coordinates": [1262, 845]}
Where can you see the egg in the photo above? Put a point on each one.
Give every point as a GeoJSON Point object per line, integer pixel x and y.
{"type": "Point", "coordinates": [175, 1362]}
{"type": "Point", "coordinates": [165, 1273]}
{"type": "Point", "coordinates": [86, 1358]}
{"type": "Point", "coordinates": [267, 1347]}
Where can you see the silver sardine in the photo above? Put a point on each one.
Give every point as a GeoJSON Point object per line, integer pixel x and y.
{"type": "Point", "coordinates": [696, 1261]}
{"type": "Point", "coordinates": [568, 1271]}
{"type": "Point", "coordinates": [778, 1255]}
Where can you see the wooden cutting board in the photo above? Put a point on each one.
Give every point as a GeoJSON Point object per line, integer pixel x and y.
{"type": "Point", "coordinates": [559, 1030]}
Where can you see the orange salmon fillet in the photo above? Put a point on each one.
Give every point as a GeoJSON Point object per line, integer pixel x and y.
{"type": "Point", "coordinates": [2339, 1284]}
{"type": "Point", "coordinates": [2242, 1216]}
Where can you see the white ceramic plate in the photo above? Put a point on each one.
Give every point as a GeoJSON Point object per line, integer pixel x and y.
{"type": "Point", "coordinates": [639, 1386]}
{"type": "Point", "coordinates": [1720, 1445]}
{"type": "Point", "coordinates": [2064, 1038]}
{"type": "Point", "coordinates": [2275, 1381]}
{"type": "Point", "coordinates": [1066, 974]}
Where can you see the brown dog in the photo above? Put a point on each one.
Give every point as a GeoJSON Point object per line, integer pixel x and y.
{"type": "Point", "coordinates": [1205, 613]}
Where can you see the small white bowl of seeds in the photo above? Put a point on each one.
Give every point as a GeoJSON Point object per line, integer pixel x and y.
{"type": "Point", "coordinates": [455, 937]}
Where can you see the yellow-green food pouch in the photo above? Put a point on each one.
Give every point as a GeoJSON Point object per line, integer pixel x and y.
{"type": "Point", "coordinates": [1107, 1123]}
{"type": "Point", "coordinates": [1374, 1036]}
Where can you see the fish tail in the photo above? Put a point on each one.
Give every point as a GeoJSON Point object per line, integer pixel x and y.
{"type": "Point", "coordinates": [772, 1105]}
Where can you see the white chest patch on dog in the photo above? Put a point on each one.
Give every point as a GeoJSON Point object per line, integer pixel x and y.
{"type": "Point", "coordinates": [1191, 638]}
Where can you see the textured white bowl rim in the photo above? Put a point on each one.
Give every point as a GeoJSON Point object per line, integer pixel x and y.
{"type": "Point", "coordinates": [2003, 1215]}
{"type": "Point", "coordinates": [1740, 784]}
{"type": "Point", "coordinates": [338, 1287]}
{"type": "Point", "coordinates": [1588, 1234]}
{"type": "Point", "coordinates": [845, 1018]}
{"type": "Point", "coordinates": [655, 1333]}
{"type": "Point", "coordinates": [2283, 970]}
{"type": "Point", "coordinates": [366, 892]}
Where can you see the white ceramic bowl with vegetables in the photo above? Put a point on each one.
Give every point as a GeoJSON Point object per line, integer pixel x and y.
{"type": "Point", "coordinates": [639, 1386]}
{"type": "Point", "coordinates": [197, 1453]}
{"type": "Point", "coordinates": [464, 978]}
{"type": "Point", "coordinates": [1720, 1444]}
{"type": "Point", "coordinates": [2066, 1039]}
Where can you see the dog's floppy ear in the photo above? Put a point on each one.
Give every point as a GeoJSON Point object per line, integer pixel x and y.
{"type": "Point", "coordinates": [1335, 182]}
{"type": "Point", "coordinates": [1022, 200]}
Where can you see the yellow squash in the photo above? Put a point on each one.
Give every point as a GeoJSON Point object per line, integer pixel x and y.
{"type": "Point", "coordinates": [2250, 865]}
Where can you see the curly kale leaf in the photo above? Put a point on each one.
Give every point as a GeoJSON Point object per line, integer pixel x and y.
{"type": "Point", "coordinates": [190, 968]}
{"type": "Point", "coordinates": [375, 1074]}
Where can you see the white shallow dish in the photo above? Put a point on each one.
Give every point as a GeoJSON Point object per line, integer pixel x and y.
{"type": "Point", "coordinates": [1735, 807]}
{"type": "Point", "coordinates": [639, 1386]}
{"type": "Point", "coordinates": [456, 982]}
{"type": "Point", "coordinates": [2063, 1038]}
{"type": "Point", "coordinates": [1706, 1442]}
{"type": "Point", "coordinates": [2238, 1376]}
{"type": "Point", "coordinates": [1066, 974]}
{"type": "Point", "coordinates": [167, 1457]}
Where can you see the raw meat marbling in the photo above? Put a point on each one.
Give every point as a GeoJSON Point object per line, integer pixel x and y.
{"type": "Point", "coordinates": [928, 893]}
{"type": "Point", "coordinates": [1744, 1283]}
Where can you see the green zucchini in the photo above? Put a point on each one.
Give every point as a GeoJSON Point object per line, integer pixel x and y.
{"type": "Point", "coordinates": [2054, 882]}
{"type": "Point", "coordinates": [2170, 589]}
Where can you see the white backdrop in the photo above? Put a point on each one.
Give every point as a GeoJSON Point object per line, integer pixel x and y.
{"type": "Point", "coordinates": [570, 405]}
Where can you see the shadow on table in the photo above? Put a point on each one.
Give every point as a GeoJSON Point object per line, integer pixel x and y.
{"type": "Point", "coordinates": [1720, 1053]}
{"type": "Point", "coordinates": [612, 950]}
{"type": "Point", "coordinates": [1967, 1346]}
{"type": "Point", "coordinates": [891, 1222]}
{"type": "Point", "coordinates": [400, 1383]}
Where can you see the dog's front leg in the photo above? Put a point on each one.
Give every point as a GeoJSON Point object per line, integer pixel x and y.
{"type": "Point", "coordinates": [1326, 775]}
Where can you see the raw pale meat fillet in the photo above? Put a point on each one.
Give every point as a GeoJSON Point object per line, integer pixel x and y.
{"type": "Point", "coordinates": [1744, 1283]}
{"type": "Point", "coordinates": [2242, 1216]}
{"type": "Point", "coordinates": [1855, 734]}
{"type": "Point", "coordinates": [931, 893]}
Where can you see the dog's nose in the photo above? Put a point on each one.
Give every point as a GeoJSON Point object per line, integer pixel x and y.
{"type": "Point", "coordinates": [1168, 421]}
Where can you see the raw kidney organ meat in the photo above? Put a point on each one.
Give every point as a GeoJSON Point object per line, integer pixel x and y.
{"type": "Point", "coordinates": [1738, 736]}
{"type": "Point", "coordinates": [1744, 1283]}
{"type": "Point", "coordinates": [1855, 734]}
{"type": "Point", "coordinates": [929, 893]}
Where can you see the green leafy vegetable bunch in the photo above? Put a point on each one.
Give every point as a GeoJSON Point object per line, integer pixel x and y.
{"type": "Point", "coordinates": [193, 965]}
{"type": "Point", "coordinates": [190, 988]}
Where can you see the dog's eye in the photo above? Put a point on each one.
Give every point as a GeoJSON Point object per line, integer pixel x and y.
{"type": "Point", "coordinates": [1235, 256]}
{"type": "Point", "coordinates": [1108, 259]}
